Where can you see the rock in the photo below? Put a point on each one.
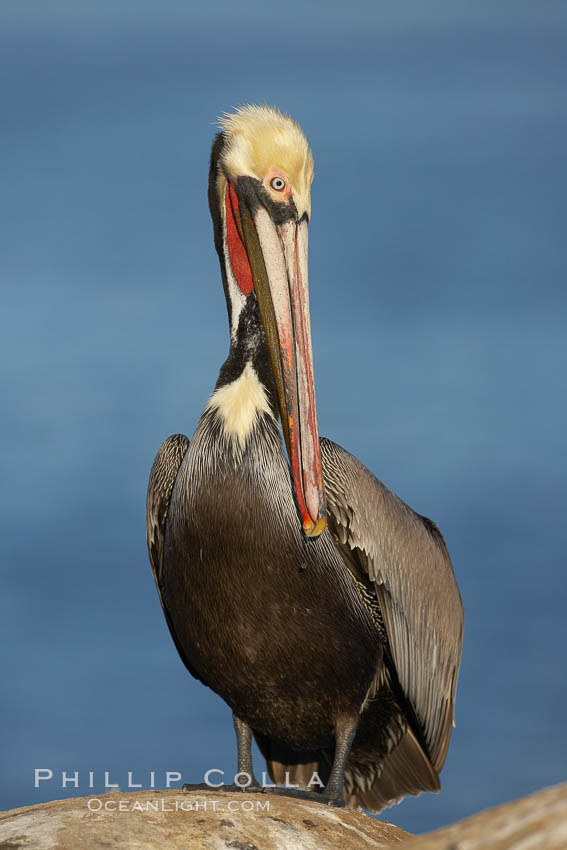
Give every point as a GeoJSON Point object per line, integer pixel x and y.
{"type": "Point", "coordinates": [537, 822]}
{"type": "Point", "coordinates": [196, 820]}
{"type": "Point", "coordinates": [227, 820]}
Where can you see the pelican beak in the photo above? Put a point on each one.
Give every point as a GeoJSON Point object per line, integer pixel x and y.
{"type": "Point", "coordinates": [276, 247]}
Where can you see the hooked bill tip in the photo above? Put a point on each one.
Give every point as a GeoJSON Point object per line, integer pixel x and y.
{"type": "Point", "coordinates": [314, 529]}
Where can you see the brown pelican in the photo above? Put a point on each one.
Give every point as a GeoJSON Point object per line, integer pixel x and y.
{"type": "Point", "coordinates": [319, 606]}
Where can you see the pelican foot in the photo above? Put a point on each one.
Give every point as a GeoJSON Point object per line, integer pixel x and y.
{"type": "Point", "coordinates": [302, 794]}
{"type": "Point", "coordinates": [328, 800]}
{"type": "Point", "coordinates": [255, 787]}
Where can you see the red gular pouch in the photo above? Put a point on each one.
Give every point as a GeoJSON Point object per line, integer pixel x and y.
{"type": "Point", "coordinates": [236, 251]}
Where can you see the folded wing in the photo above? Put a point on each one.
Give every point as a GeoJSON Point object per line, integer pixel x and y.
{"type": "Point", "coordinates": [405, 556]}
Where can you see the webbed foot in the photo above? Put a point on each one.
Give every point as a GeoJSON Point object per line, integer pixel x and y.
{"type": "Point", "coordinates": [304, 794]}
{"type": "Point", "coordinates": [254, 787]}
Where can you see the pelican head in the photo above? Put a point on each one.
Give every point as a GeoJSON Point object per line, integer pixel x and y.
{"type": "Point", "coordinates": [260, 198]}
{"type": "Point", "coordinates": [264, 144]}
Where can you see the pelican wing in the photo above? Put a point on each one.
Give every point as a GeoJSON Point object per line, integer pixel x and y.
{"type": "Point", "coordinates": [405, 556]}
{"type": "Point", "coordinates": [162, 478]}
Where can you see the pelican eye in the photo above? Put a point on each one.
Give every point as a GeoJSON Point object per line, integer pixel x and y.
{"type": "Point", "coordinates": [277, 183]}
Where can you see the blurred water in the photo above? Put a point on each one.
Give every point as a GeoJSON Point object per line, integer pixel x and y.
{"type": "Point", "coordinates": [437, 269]}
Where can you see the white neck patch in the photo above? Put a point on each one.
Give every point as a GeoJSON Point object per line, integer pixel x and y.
{"type": "Point", "coordinates": [239, 404]}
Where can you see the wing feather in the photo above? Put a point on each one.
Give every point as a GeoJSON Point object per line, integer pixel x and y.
{"type": "Point", "coordinates": [405, 556]}
{"type": "Point", "coordinates": [160, 486]}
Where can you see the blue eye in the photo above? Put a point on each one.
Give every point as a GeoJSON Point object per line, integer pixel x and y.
{"type": "Point", "coordinates": [277, 183]}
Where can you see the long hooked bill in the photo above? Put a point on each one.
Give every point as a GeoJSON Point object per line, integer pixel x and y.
{"type": "Point", "coordinates": [278, 260]}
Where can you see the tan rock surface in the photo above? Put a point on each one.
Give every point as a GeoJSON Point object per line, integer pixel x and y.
{"type": "Point", "coordinates": [208, 820]}
{"type": "Point", "coordinates": [212, 820]}
{"type": "Point", "coordinates": [537, 822]}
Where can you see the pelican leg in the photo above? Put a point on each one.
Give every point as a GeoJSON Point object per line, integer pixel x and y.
{"type": "Point", "coordinates": [333, 791]}
{"type": "Point", "coordinates": [244, 750]}
{"type": "Point", "coordinates": [332, 794]}
{"type": "Point", "coordinates": [244, 761]}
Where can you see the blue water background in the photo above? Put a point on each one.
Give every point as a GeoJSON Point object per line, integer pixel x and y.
{"type": "Point", "coordinates": [438, 266]}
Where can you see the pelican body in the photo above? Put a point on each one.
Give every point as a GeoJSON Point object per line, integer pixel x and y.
{"type": "Point", "coordinates": [318, 605]}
